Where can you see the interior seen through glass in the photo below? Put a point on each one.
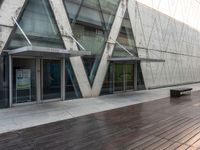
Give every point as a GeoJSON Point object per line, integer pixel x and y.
{"type": "Point", "coordinates": [24, 80]}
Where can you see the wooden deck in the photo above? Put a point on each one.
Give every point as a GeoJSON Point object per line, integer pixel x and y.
{"type": "Point", "coordinates": [163, 124]}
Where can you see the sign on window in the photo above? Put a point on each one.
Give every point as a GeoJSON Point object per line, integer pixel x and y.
{"type": "Point", "coordinates": [23, 79]}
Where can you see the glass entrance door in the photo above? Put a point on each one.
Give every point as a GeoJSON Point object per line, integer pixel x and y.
{"type": "Point", "coordinates": [24, 80]}
{"type": "Point", "coordinates": [119, 77]}
{"type": "Point", "coordinates": [123, 77]}
{"type": "Point", "coordinates": [51, 84]}
{"type": "Point", "coordinates": [129, 76]}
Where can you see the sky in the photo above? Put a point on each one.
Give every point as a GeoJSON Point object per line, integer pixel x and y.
{"type": "Point", "coordinates": [186, 11]}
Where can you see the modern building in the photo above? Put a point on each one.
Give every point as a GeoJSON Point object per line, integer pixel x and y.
{"type": "Point", "coordinates": [54, 50]}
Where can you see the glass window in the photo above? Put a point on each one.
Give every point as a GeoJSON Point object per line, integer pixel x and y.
{"type": "Point", "coordinates": [107, 87]}
{"type": "Point", "coordinates": [71, 86]}
{"type": "Point", "coordinates": [90, 21]}
{"type": "Point", "coordinates": [37, 21]}
{"type": "Point", "coordinates": [126, 39]}
{"type": "Point", "coordinates": [73, 7]}
{"type": "Point", "coordinates": [4, 81]}
{"type": "Point", "coordinates": [109, 9]}
{"type": "Point", "coordinates": [129, 76]}
{"type": "Point", "coordinates": [51, 79]}
{"type": "Point", "coordinates": [119, 77]}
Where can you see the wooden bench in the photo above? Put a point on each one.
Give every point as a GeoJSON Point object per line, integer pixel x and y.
{"type": "Point", "coordinates": [180, 91]}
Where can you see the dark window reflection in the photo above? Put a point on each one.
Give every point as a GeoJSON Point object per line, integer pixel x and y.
{"type": "Point", "coordinates": [91, 21]}
{"type": "Point", "coordinates": [71, 86]}
{"type": "Point", "coordinates": [38, 22]}
{"type": "Point", "coordinates": [51, 79]}
{"type": "Point", "coordinates": [126, 39]}
{"type": "Point", "coordinates": [107, 87]}
{"type": "Point", "coordinates": [4, 81]}
{"type": "Point", "coordinates": [24, 80]}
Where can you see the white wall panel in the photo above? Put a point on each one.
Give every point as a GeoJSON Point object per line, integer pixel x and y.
{"type": "Point", "coordinates": [8, 9]}
{"type": "Point", "coordinates": [178, 43]}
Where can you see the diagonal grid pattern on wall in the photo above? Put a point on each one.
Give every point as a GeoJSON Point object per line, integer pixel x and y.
{"type": "Point", "coordinates": [156, 36]}
{"type": "Point", "coordinates": [160, 36]}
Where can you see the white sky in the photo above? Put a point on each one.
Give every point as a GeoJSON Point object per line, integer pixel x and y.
{"type": "Point", "coordinates": [187, 11]}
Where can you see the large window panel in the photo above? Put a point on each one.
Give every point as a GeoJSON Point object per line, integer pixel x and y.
{"type": "Point", "coordinates": [109, 9]}
{"type": "Point", "coordinates": [51, 79]}
{"type": "Point", "coordinates": [72, 89]}
{"type": "Point", "coordinates": [94, 17]}
{"type": "Point", "coordinates": [73, 8]}
{"type": "Point", "coordinates": [93, 39]}
{"type": "Point", "coordinates": [90, 23]}
{"type": "Point", "coordinates": [37, 21]}
{"type": "Point", "coordinates": [125, 39]}
{"type": "Point", "coordinates": [107, 87]}
{"type": "Point", "coordinates": [4, 81]}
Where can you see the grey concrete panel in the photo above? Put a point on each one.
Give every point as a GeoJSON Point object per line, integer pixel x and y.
{"type": "Point", "coordinates": [8, 9]}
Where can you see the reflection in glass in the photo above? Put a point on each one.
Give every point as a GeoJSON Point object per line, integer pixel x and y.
{"type": "Point", "coordinates": [71, 86]}
{"type": "Point", "coordinates": [107, 87]}
{"type": "Point", "coordinates": [38, 23]}
{"type": "Point", "coordinates": [4, 81]}
{"type": "Point", "coordinates": [119, 77]}
{"type": "Point", "coordinates": [51, 79]}
{"type": "Point", "coordinates": [123, 78]}
{"type": "Point", "coordinates": [24, 80]}
{"type": "Point", "coordinates": [126, 39]}
{"type": "Point", "coordinates": [129, 76]}
{"type": "Point", "coordinates": [90, 23]}
{"type": "Point", "coordinates": [109, 9]}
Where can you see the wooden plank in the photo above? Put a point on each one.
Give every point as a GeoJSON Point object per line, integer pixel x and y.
{"type": "Point", "coordinates": [192, 148]}
{"type": "Point", "coordinates": [194, 139]}
{"type": "Point", "coordinates": [165, 145]}
{"type": "Point", "coordinates": [173, 146]}
{"type": "Point", "coordinates": [196, 144]}
{"type": "Point", "coordinates": [155, 125]}
{"type": "Point", "coordinates": [183, 147]}
{"type": "Point", "coordinates": [195, 128]}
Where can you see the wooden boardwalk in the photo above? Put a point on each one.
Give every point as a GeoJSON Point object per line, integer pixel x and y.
{"type": "Point", "coordinates": [163, 124]}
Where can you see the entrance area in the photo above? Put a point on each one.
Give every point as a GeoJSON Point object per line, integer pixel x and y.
{"type": "Point", "coordinates": [36, 80]}
{"type": "Point", "coordinates": [42, 74]}
{"type": "Point", "coordinates": [120, 77]}
{"type": "Point", "coordinates": [123, 77]}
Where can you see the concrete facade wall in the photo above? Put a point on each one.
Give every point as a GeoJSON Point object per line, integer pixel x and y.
{"type": "Point", "coordinates": [162, 37]}
{"type": "Point", "coordinates": [157, 36]}
{"type": "Point", "coordinates": [8, 10]}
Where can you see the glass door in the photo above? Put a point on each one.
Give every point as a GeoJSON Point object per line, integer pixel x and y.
{"type": "Point", "coordinates": [119, 77]}
{"type": "Point", "coordinates": [51, 84]}
{"type": "Point", "coordinates": [123, 77]}
{"type": "Point", "coordinates": [24, 80]}
{"type": "Point", "coordinates": [129, 76]}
